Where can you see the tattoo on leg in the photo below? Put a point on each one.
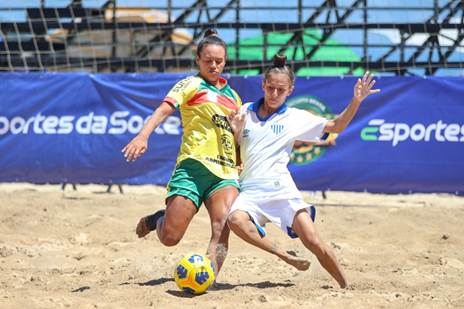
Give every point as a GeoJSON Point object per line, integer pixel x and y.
{"type": "Point", "coordinates": [221, 253]}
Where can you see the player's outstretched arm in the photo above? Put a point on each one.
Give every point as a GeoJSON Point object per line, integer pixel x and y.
{"type": "Point", "coordinates": [361, 91]}
{"type": "Point", "coordinates": [139, 144]}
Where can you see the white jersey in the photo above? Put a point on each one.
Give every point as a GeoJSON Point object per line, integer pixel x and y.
{"type": "Point", "coordinates": [266, 145]}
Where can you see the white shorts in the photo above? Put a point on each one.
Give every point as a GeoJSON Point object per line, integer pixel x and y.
{"type": "Point", "coordinates": [281, 212]}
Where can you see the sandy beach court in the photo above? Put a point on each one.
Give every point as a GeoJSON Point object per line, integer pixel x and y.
{"type": "Point", "coordinates": [78, 249]}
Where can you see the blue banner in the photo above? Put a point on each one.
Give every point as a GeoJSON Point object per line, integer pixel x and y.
{"type": "Point", "coordinates": [71, 128]}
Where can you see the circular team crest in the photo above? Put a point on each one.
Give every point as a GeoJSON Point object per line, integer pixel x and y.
{"type": "Point", "coordinates": [304, 152]}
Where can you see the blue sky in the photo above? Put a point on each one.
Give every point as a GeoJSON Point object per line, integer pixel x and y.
{"type": "Point", "coordinates": [271, 15]}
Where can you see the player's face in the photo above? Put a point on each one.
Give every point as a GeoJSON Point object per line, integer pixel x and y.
{"type": "Point", "coordinates": [211, 62]}
{"type": "Point", "coordinates": [277, 87]}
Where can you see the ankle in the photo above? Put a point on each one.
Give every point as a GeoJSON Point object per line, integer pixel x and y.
{"type": "Point", "coordinates": [152, 220]}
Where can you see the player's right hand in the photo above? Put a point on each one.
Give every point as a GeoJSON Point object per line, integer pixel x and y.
{"type": "Point", "coordinates": [236, 121]}
{"type": "Point", "coordinates": [136, 148]}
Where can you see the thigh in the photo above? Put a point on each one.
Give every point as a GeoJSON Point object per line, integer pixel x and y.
{"type": "Point", "coordinates": [179, 212]}
{"type": "Point", "coordinates": [304, 227]}
{"type": "Point", "coordinates": [245, 219]}
{"type": "Point", "coordinates": [184, 182]}
{"type": "Point", "coordinates": [244, 203]}
{"type": "Point", "coordinates": [216, 184]}
{"type": "Point", "coordinates": [220, 201]}
{"type": "Point", "coordinates": [283, 212]}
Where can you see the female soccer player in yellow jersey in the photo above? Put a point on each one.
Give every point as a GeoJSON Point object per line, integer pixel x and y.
{"type": "Point", "coordinates": [206, 165]}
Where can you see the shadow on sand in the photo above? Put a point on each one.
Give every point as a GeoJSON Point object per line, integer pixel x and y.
{"type": "Point", "coordinates": [215, 287]}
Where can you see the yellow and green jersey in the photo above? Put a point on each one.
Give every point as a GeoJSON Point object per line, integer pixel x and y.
{"type": "Point", "coordinates": [207, 135]}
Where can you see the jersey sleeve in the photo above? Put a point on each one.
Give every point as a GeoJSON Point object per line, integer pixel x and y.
{"type": "Point", "coordinates": [181, 92]}
{"type": "Point", "coordinates": [308, 127]}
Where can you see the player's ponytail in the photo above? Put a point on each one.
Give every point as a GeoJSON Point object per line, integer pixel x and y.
{"type": "Point", "coordinates": [210, 32]}
{"type": "Point", "coordinates": [210, 37]}
{"type": "Point", "coordinates": [279, 61]}
{"type": "Point", "coordinates": [279, 66]}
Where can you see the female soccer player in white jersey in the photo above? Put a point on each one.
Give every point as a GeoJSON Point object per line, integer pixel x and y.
{"type": "Point", "coordinates": [206, 165]}
{"type": "Point", "coordinates": [266, 131]}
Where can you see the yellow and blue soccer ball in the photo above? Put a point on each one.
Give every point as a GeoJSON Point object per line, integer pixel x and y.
{"type": "Point", "coordinates": [194, 273]}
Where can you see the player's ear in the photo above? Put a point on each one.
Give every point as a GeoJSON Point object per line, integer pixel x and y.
{"type": "Point", "coordinates": [290, 90]}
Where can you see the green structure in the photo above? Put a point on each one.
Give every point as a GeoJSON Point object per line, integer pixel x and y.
{"type": "Point", "coordinates": [253, 49]}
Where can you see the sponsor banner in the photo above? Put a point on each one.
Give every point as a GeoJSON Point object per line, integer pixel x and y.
{"type": "Point", "coordinates": [407, 138]}
{"type": "Point", "coordinates": [71, 128]}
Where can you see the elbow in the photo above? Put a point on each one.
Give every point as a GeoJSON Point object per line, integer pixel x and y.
{"type": "Point", "coordinates": [334, 127]}
{"type": "Point", "coordinates": [339, 129]}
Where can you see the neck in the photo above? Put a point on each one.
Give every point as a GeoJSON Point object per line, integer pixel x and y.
{"type": "Point", "coordinates": [265, 110]}
{"type": "Point", "coordinates": [217, 83]}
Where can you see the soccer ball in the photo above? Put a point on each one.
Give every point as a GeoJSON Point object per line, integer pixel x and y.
{"type": "Point", "coordinates": [194, 273]}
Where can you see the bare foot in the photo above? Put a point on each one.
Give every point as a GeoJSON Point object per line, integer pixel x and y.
{"type": "Point", "coordinates": [297, 262]}
{"type": "Point", "coordinates": [148, 223]}
{"type": "Point", "coordinates": [142, 228]}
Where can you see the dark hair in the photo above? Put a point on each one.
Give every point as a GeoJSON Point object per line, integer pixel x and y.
{"type": "Point", "coordinates": [279, 66]}
{"type": "Point", "coordinates": [210, 37]}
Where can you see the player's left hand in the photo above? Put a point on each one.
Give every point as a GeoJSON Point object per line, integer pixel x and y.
{"type": "Point", "coordinates": [363, 87]}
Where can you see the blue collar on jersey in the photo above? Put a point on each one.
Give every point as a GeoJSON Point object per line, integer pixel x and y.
{"type": "Point", "coordinates": [255, 107]}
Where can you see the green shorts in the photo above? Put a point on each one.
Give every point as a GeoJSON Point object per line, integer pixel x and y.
{"type": "Point", "coordinates": [194, 181]}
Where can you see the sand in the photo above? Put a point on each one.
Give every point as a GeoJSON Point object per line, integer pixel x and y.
{"type": "Point", "coordinates": [78, 249]}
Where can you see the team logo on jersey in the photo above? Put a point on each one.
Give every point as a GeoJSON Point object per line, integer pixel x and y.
{"type": "Point", "coordinates": [277, 128]}
{"type": "Point", "coordinates": [303, 152]}
{"type": "Point", "coordinates": [246, 133]}
{"type": "Point", "coordinates": [221, 122]}
{"type": "Point", "coordinates": [181, 85]}
{"type": "Point", "coordinates": [228, 144]}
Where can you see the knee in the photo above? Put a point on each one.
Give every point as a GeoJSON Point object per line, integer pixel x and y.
{"type": "Point", "coordinates": [169, 241]}
{"type": "Point", "coordinates": [217, 227]}
{"type": "Point", "coordinates": [170, 238]}
{"type": "Point", "coordinates": [233, 220]}
{"type": "Point", "coordinates": [315, 245]}
{"type": "Point", "coordinates": [218, 224]}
